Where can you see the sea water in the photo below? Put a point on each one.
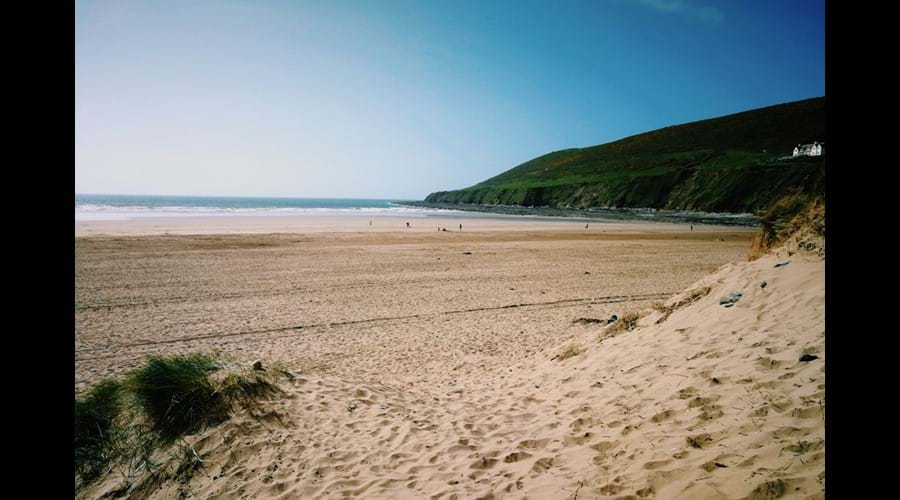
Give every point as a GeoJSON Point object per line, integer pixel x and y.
{"type": "Point", "coordinates": [122, 207]}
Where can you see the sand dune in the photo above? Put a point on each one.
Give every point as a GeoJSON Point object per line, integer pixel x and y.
{"type": "Point", "coordinates": [699, 400]}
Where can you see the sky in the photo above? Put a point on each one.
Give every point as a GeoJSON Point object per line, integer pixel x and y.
{"type": "Point", "coordinates": [395, 99]}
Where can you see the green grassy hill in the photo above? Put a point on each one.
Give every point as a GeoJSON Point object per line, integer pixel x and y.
{"type": "Point", "coordinates": [726, 164]}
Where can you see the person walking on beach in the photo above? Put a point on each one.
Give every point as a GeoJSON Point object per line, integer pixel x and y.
{"type": "Point", "coordinates": [692, 227]}
{"type": "Point", "coordinates": [460, 228]}
{"type": "Point", "coordinates": [585, 226]}
{"type": "Point", "coordinates": [407, 225]}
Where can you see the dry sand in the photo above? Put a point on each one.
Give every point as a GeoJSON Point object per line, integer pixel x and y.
{"type": "Point", "coordinates": [428, 362]}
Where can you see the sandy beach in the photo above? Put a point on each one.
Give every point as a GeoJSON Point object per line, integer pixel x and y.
{"type": "Point", "coordinates": [450, 250]}
{"type": "Point", "coordinates": [371, 305]}
{"type": "Point", "coordinates": [428, 364]}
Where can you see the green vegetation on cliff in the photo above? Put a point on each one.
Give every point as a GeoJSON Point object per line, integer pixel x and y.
{"type": "Point", "coordinates": [726, 164]}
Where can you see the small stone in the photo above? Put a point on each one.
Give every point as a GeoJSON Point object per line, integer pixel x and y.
{"type": "Point", "coordinates": [806, 358]}
{"type": "Point", "coordinates": [258, 366]}
{"type": "Point", "coordinates": [731, 299]}
{"type": "Point", "coordinates": [784, 263]}
{"type": "Point", "coordinates": [763, 284]}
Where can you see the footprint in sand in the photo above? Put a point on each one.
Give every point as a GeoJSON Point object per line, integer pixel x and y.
{"type": "Point", "coordinates": [541, 465]}
{"type": "Point", "coordinates": [484, 463]}
{"type": "Point", "coordinates": [773, 489]}
{"type": "Point", "coordinates": [808, 412]}
{"type": "Point", "coordinates": [516, 456]}
{"type": "Point", "coordinates": [687, 393]}
{"type": "Point", "coordinates": [646, 492]}
{"type": "Point", "coordinates": [701, 401]}
{"type": "Point", "coordinates": [603, 446]}
{"type": "Point", "coordinates": [710, 412]}
{"type": "Point", "coordinates": [580, 423]}
{"type": "Point", "coordinates": [768, 363]}
{"type": "Point", "coordinates": [662, 416]}
{"type": "Point", "coordinates": [577, 439]}
{"type": "Point", "coordinates": [534, 444]}
{"type": "Point", "coordinates": [611, 489]}
{"type": "Point", "coordinates": [712, 465]}
{"type": "Point", "coordinates": [699, 441]}
{"type": "Point", "coordinates": [517, 485]}
{"type": "Point", "coordinates": [628, 428]}
{"type": "Point", "coordinates": [655, 464]}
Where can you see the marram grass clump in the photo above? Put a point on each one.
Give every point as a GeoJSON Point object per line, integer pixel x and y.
{"type": "Point", "coordinates": [666, 309]}
{"type": "Point", "coordinates": [787, 216]}
{"type": "Point", "coordinates": [125, 422]}
{"type": "Point", "coordinates": [177, 394]}
{"type": "Point", "coordinates": [626, 323]}
{"type": "Point", "coordinates": [570, 351]}
{"type": "Point", "coordinates": [96, 428]}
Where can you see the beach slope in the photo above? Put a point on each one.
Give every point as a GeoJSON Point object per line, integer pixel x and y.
{"type": "Point", "coordinates": [716, 392]}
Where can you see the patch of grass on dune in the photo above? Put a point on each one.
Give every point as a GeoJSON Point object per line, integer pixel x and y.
{"type": "Point", "coordinates": [786, 216]}
{"type": "Point", "coordinates": [626, 323]}
{"type": "Point", "coordinates": [570, 351]}
{"type": "Point", "coordinates": [95, 427]}
{"type": "Point", "coordinates": [125, 422]}
{"type": "Point", "coordinates": [177, 393]}
{"type": "Point", "coordinates": [183, 394]}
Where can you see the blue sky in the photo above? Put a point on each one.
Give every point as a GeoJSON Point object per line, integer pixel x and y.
{"type": "Point", "coordinates": [395, 99]}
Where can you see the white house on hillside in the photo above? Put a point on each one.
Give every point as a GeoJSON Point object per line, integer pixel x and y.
{"type": "Point", "coordinates": [814, 149]}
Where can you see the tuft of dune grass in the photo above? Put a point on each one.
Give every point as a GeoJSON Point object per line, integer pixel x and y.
{"type": "Point", "coordinates": [96, 426]}
{"type": "Point", "coordinates": [183, 394]}
{"type": "Point", "coordinates": [667, 309]}
{"type": "Point", "coordinates": [124, 423]}
{"type": "Point", "coordinates": [177, 394]}
{"type": "Point", "coordinates": [786, 216]}
{"type": "Point", "coordinates": [570, 351]}
{"type": "Point", "coordinates": [626, 323]}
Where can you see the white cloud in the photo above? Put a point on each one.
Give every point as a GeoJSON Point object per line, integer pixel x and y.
{"type": "Point", "coordinates": [705, 13]}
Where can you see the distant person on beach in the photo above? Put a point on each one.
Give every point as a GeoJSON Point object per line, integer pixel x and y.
{"type": "Point", "coordinates": [370, 223]}
{"type": "Point", "coordinates": [460, 228]}
{"type": "Point", "coordinates": [692, 227]}
{"type": "Point", "coordinates": [407, 225]}
{"type": "Point", "coordinates": [585, 226]}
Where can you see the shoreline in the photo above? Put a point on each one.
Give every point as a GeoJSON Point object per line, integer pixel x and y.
{"type": "Point", "coordinates": [612, 214]}
{"type": "Point", "coordinates": [249, 224]}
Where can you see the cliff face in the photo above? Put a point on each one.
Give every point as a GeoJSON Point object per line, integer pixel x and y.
{"type": "Point", "coordinates": [727, 164]}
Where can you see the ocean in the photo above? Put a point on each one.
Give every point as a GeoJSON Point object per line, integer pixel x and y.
{"type": "Point", "coordinates": [104, 207]}
{"type": "Point", "coordinates": [123, 207]}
